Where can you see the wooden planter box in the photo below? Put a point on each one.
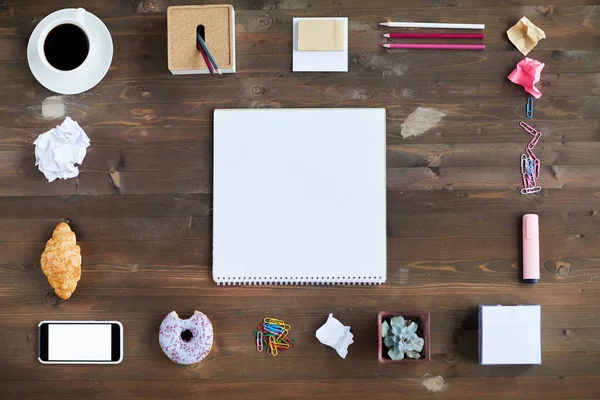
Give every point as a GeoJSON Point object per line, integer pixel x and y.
{"type": "Point", "coordinates": [422, 320]}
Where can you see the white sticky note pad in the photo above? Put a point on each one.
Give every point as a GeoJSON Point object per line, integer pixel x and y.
{"type": "Point", "coordinates": [320, 61]}
{"type": "Point", "coordinates": [510, 334]}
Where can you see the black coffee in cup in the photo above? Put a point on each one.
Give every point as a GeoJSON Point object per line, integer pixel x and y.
{"type": "Point", "coordinates": [66, 47]}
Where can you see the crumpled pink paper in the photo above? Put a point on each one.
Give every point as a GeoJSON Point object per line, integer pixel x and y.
{"type": "Point", "coordinates": [527, 74]}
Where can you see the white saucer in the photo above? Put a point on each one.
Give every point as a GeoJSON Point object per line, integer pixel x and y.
{"type": "Point", "coordinates": [88, 74]}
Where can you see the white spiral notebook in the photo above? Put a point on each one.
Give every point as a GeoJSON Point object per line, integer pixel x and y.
{"type": "Point", "coordinates": [299, 196]}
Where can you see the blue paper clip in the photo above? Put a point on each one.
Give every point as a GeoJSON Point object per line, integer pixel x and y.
{"type": "Point", "coordinates": [530, 167]}
{"type": "Point", "coordinates": [529, 107]}
{"type": "Point", "coordinates": [273, 328]}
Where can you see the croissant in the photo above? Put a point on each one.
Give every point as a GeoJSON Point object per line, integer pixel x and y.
{"type": "Point", "coordinates": [61, 261]}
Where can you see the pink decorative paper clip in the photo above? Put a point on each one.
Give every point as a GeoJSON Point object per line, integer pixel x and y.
{"type": "Point", "coordinates": [530, 154]}
{"type": "Point", "coordinates": [259, 341]}
{"type": "Point", "coordinates": [530, 164]}
{"type": "Point", "coordinates": [527, 181]}
{"type": "Point", "coordinates": [528, 128]}
{"type": "Point", "coordinates": [535, 140]}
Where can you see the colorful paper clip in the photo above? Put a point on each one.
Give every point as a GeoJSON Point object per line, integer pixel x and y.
{"type": "Point", "coordinates": [529, 107]}
{"type": "Point", "coordinates": [272, 335]}
{"type": "Point", "coordinates": [530, 164]}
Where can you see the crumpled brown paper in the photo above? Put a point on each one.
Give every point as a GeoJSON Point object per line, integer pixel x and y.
{"type": "Point", "coordinates": [525, 35]}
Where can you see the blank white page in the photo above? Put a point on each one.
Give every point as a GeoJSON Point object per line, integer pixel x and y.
{"type": "Point", "coordinates": [299, 196]}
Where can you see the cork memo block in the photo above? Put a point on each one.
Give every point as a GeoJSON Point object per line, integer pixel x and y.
{"type": "Point", "coordinates": [321, 35]}
{"type": "Point", "coordinates": [218, 21]}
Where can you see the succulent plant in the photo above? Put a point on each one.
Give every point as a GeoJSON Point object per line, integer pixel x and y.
{"type": "Point", "coordinates": [401, 339]}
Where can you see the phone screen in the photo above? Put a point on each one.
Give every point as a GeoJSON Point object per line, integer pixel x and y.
{"type": "Point", "coordinates": [80, 342]}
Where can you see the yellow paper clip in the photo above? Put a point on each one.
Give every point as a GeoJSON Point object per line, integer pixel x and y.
{"type": "Point", "coordinates": [278, 322]}
{"type": "Point", "coordinates": [274, 321]}
{"type": "Point", "coordinates": [272, 347]}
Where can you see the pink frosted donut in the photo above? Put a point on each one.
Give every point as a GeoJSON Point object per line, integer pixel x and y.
{"type": "Point", "coordinates": [186, 341]}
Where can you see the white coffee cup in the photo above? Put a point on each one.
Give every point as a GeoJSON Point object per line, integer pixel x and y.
{"type": "Point", "coordinates": [84, 75]}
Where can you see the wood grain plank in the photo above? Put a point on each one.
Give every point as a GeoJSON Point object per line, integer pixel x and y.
{"type": "Point", "coordinates": [180, 251]}
{"type": "Point", "coordinates": [447, 365]}
{"type": "Point", "coordinates": [104, 183]}
{"type": "Point", "coordinates": [143, 113]}
{"type": "Point", "coordinates": [167, 90]}
{"type": "Point", "coordinates": [140, 6]}
{"type": "Point", "coordinates": [449, 136]}
{"type": "Point", "coordinates": [509, 200]}
{"type": "Point", "coordinates": [481, 177]}
{"type": "Point", "coordinates": [533, 387]}
{"type": "Point", "coordinates": [98, 229]}
{"type": "Point", "coordinates": [110, 206]}
{"type": "Point", "coordinates": [196, 155]}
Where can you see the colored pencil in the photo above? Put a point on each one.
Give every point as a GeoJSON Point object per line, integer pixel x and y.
{"type": "Point", "coordinates": [436, 25]}
{"type": "Point", "coordinates": [435, 46]}
{"type": "Point", "coordinates": [208, 54]}
{"type": "Point", "coordinates": [206, 60]}
{"type": "Point", "coordinates": [434, 35]}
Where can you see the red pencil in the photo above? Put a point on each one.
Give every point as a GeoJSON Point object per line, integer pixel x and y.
{"type": "Point", "coordinates": [434, 46]}
{"type": "Point", "coordinates": [434, 35]}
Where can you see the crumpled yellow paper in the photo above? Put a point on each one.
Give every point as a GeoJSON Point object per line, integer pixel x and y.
{"type": "Point", "coordinates": [525, 35]}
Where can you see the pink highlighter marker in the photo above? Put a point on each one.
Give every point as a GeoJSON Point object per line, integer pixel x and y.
{"type": "Point", "coordinates": [531, 249]}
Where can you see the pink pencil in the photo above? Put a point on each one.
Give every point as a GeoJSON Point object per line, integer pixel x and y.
{"type": "Point", "coordinates": [434, 35]}
{"type": "Point", "coordinates": [435, 46]}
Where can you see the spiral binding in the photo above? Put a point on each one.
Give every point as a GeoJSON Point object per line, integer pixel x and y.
{"type": "Point", "coordinates": [309, 280]}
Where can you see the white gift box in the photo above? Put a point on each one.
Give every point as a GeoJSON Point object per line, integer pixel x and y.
{"type": "Point", "coordinates": [510, 334]}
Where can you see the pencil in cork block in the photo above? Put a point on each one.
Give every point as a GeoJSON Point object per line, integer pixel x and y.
{"type": "Point", "coordinates": [214, 23]}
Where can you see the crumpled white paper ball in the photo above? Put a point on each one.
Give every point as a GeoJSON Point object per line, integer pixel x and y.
{"type": "Point", "coordinates": [60, 151]}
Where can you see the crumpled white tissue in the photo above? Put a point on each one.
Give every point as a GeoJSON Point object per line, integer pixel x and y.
{"type": "Point", "coordinates": [336, 335]}
{"type": "Point", "coordinates": [59, 151]}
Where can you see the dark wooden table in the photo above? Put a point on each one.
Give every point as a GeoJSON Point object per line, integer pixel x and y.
{"type": "Point", "coordinates": [141, 206]}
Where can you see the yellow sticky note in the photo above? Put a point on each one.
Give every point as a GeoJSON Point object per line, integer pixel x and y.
{"type": "Point", "coordinates": [525, 35]}
{"type": "Point", "coordinates": [321, 35]}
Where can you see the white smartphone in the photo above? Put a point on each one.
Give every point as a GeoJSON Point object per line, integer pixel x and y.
{"type": "Point", "coordinates": [80, 342]}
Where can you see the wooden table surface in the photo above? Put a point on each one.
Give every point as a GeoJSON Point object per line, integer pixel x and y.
{"type": "Point", "coordinates": [141, 206]}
